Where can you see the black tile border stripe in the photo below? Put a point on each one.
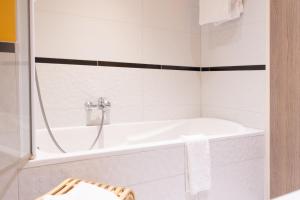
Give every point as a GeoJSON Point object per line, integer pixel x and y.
{"type": "Point", "coordinates": [146, 66]}
{"type": "Point", "coordinates": [183, 68]}
{"type": "Point", "coordinates": [128, 65]}
{"type": "Point", "coordinates": [66, 61]}
{"type": "Point", "coordinates": [112, 64]}
{"type": "Point", "coordinates": [234, 68]}
{"type": "Point", "coordinates": [7, 47]}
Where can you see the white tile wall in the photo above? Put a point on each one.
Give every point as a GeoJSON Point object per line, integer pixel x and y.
{"type": "Point", "coordinates": [242, 180]}
{"type": "Point", "coordinates": [234, 150]}
{"type": "Point", "coordinates": [130, 31]}
{"type": "Point", "coordinates": [238, 96]}
{"type": "Point", "coordinates": [128, 11]}
{"type": "Point", "coordinates": [159, 47]}
{"type": "Point", "coordinates": [9, 183]}
{"type": "Point", "coordinates": [136, 94]}
{"type": "Point", "coordinates": [179, 85]}
{"type": "Point", "coordinates": [61, 35]}
{"type": "Point", "coordinates": [167, 14]}
{"type": "Point", "coordinates": [155, 32]}
{"type": "Point", "coordinates": [239, 42]}
{"type": "Point", "coordinates": [172, 188]}
{"type": "Point", "coordinates": [159, 32]}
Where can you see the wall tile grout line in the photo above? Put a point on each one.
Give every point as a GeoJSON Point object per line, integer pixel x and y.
{"type": "Point", "coordinates": [100, 63]}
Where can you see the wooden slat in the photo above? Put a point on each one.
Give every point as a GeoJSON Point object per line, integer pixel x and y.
{"type": "Point", "coordinates": [68, 184]}
{"type": "Point", "coordinates": [285, 96]}
{"type": "Point", "coordinates": [67, 187]}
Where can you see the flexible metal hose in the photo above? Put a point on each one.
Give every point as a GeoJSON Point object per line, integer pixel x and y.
{"type": "Point", "coordinates": [47, 123]}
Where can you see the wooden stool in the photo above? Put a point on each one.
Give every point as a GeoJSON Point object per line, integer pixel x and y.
{"type": "Point", "coordinates": [68, 184]}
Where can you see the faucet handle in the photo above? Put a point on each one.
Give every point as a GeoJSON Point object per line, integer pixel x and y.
{"type": "Point", "coordinates": [90, 105]}
{"type": "Point", "coordinates": [104, 103]}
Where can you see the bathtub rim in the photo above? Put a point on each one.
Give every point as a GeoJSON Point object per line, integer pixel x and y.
{"type": "Point", "coordinates": [151, 122]}
{"type": "Point", "coordinates": [130, 149]}
{"type": "Point", "coordinates": [138, 123]}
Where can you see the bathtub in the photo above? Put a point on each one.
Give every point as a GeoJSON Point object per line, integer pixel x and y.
{"type": "Point", "coordinates": [290, 196]}
{"type": "Point", "coordinates": [149, 157]}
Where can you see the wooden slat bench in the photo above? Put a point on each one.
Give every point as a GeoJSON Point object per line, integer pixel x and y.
{"type": "Point", "coordinates": [122, 192]}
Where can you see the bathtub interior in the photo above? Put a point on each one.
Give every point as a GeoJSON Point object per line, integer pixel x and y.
{"type": "Point", "coordinates": [200, 126]}
{"type": "Point", "coordinates": [72, 139]}
{"type": "Point", "coordinates": [76, 139]}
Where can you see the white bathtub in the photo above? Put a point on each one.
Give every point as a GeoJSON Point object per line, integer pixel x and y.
{"type": "Point", "coordinates": [149, 157]}
{"type": "Point", "coordinates": [291, 196]}
{"type": "Point", "coordinates": [128, 136]}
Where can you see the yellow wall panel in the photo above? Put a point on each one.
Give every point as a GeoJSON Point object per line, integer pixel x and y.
{"type": "Point", "coordinates": [7, 20]}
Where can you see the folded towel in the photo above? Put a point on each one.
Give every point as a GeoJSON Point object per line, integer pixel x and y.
{"type": "Point", "coordinates": [219, 11]}
{"type": "Point", "coordinates": [236, 9]}
{"type": "Point", "coordinates": [198, 164]}
{"type": "Point", "coordinates": [84, 191]}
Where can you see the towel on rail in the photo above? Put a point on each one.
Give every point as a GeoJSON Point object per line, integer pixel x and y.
{"type": "Point", "coordinates": [219, 11]}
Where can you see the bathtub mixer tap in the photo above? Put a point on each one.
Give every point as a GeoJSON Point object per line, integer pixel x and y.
{"type": "Point", "coordinates": [102, 104]}
{"type": "Point", "coordinates": [94, 118]}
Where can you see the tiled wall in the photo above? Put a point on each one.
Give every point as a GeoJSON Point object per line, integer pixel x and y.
{"type": "Point", "coordinates": [236, 95]}
{"type": "Point", "coordinates": [154, 32]}
{"type": "Point", "coordinates": [239, 42]}
{"type": "Point", "coordinates": [136, 94]}
{"type": "Point", "coordinates": [147, 31]}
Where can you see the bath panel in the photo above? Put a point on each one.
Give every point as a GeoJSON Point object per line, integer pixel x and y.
{"type": "Point", "coordinates": [150, 156]}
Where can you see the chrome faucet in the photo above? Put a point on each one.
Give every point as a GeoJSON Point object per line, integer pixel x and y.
{"type": "Point", "coordinates": [89, 105]}
{"type": "Point", "coordinates": [102, 104]}
{"type": "Point", "coordinates": [96, 110]}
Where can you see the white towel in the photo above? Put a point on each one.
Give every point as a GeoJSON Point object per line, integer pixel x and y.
{"type": "Point", "coordinates": [198, 164]}
{"type": "Point", "coordinates": [236, 9]}
{"type": "Point", "coordinates": [219, 11]}
{"type": "Point", "coordinates": [84, 191]}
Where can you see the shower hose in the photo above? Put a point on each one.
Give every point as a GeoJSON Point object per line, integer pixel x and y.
{"type": "Point", "coordinates": [47, 123]}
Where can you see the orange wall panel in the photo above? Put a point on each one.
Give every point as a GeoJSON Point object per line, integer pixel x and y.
{"type": "Point", "coordinates": [7, 21]}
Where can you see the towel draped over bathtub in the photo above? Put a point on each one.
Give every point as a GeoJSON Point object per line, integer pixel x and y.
{"type": "Point", "coordinates": [219, 11]}
{"type": "Point", "coordinates": [198, 165]}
